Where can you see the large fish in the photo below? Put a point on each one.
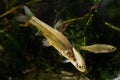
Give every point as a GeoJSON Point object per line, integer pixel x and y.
{"type": "Point", "coordinates": [99, 48]}
{"type": "Point", "coordinates": [56, 39]}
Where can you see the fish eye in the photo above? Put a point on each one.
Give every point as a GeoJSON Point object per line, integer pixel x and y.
{"type": "Point", "coordinates": [112, 48]}
{"type": "Point", "coordinates": [80, 66]}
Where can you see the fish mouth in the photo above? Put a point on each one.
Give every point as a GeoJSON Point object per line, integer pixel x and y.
{"type": "Point", "coordinates": [81, 68]}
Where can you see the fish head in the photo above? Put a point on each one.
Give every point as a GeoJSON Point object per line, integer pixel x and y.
{"type": "Point", "coordinates": [81, 67]}
{"type": "Point", "coordinates": [110, 48]}
{"type": "Point", "coordinates": [80, 62]}
{"type": "Point", "coordinates": [76, 59]}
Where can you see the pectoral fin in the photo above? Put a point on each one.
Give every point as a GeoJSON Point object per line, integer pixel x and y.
{"type": "Point", "coordinates": [46, 43]}
{"type": "Point", "coordinates": [66, 61]}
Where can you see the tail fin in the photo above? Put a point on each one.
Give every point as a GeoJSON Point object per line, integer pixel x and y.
{"type": "Point", "coordinates": [28, 13]}
{"type": "Point", "coordinates": [26, 17]}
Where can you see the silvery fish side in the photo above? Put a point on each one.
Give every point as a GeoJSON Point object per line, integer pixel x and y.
{"type": "Point", "coordinates": [99, 48]}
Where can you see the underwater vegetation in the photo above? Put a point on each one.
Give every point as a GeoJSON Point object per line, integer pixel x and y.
{"type": "Point", "coordinates": [90, 28]}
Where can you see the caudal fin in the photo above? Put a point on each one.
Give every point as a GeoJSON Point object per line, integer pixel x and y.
{"type": "Point", "coordinates": [28, 13]}
{"type": "Point", "coordinates": [26, 17]}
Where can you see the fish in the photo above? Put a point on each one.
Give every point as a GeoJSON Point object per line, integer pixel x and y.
{"type": "Point", "coordinates": [99, 48]}
{"type": "Point", "coordinates": [55, 38]}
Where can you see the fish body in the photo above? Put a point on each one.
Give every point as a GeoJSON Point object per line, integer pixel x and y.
{"type": "Point", "coordinates": [99, 48]}
{"type": "Point", "coordinates": [59, 27]}
{"type": "Point", "coordinates": [55, 38]}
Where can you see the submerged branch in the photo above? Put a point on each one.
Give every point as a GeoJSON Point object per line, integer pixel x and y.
{"type": "Point", "coordinates": [112, 26]}
{"type": "Point", "coordinates": [70, 21]}
{"type": "Point", "coordinates": [18, 7]}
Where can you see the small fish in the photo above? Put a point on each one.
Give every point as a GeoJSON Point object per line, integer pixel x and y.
{"type": "Point", "coordinates": [99, 48]}
{"type": "Point", "coordinates": [55, 38]}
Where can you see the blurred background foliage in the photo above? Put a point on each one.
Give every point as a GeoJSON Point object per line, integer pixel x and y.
{"type": "Point", "coordinates": [22, 51]}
